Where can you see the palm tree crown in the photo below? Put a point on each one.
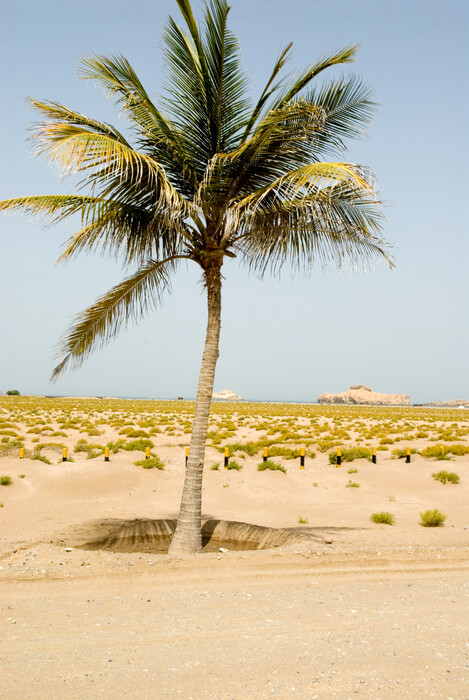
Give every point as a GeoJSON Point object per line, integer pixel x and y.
{"type": "Point", "coordinates": [205, 175]}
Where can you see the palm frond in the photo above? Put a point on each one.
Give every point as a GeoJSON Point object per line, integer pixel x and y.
{"type": "Point", "coordinates": [104, 157]}
{"type": "Point", "coordinates": [139, 234]}
{"type": "Point", "coordinates": [58, 113]}
{"type": "Point", "coordinates": [346, 55]}
{"type": "Point", "coordinates": [283, 142]}
{"type": "Point", "coordinates": [156, 134]}
{"type": "Point", "coordinates": [206, 85]}
{"type": "Point", "coordinates": [227, 101]}
{"type": "Point", "coordinates": [348, 110]}
{"type": "Point", "coordinates": [57, 206]}
{"type": "Point", "coordinates": [267, 91]}
{"type": "Point", "coordinates": [338, 224]}
{"type": "Point", "coordinates": [99, 323]}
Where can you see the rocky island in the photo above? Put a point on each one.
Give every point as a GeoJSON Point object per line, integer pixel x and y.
{"type": "Point", "coordinates": [226, 395]}
{"type": "Point", "coordinates": [361, 394]}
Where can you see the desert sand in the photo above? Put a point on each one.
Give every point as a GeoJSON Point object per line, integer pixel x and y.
{"type": "Point", "coordinates": [337, 606]}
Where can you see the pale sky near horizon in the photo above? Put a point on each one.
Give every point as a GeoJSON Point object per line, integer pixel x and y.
{"type": "Point", "coordinates": [402, 331]}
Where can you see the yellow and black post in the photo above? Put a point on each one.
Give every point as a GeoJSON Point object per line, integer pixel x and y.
{"type": "Point", "coordinates": [339, 456]}
{"type": "Point", "coordinates": [227, 454]}
{"type": "Point", "coordinates": [147, 453]}
{"type": "Point", "coordinates": [373, 455]}
{"type": "Point", "coordinates": [264, 458]}
{"type": "Point", "coordinates": [187, 455]}
{"type": "Point", "coordinates": [21, 452]}
{"type": "Point", "coordinates": [64, 454]}
{"type": "Point", "coordinates": [407, 455]}
{"type": "Point", "coordinates": [106, 454]}
{"type": "Point", "coordinates": [302, 458]}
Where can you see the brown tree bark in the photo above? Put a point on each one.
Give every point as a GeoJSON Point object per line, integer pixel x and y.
{"type": "Point", "coordinates": [187, 538]}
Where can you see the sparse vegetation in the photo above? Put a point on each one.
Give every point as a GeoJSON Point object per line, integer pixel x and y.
{"type": "Point", "coordinates": [272, 466]}
{"type": "Point", "coordinates": [383, 517]}
{"type": "Point", "coordinates": [352, 485]}
{"type": "Point", "coordinates": [432, 518]}
{"type": "Point", "coordinates": [41, 458]}
{"type": "Point", "coordinates": [445, 476]}
{"type": "Point", "coordinates": [233, 464]}
{"type": "Point", "coordinates": [439, 452]}
{"type": "Point", "coordinates": [5, 480]}
{"type": "Point", "coordinates": [351, 454]}
{"type": "Point", "coordinates": [139, 445]}
{"type": "Point", "coordinates": [400, 453]}
{"type": "Point", "coordinates": [153, 462]}
{"type": "Point", "coordinates": [303, 521]}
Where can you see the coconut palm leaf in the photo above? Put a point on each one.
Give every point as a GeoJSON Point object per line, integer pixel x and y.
{"type": "Point", "coordinates": [156, 134]}
{"type": "Point", "coordinates": [102, 321]}
{"type": "Point", "coordinates": [330, 225]}
{"type": "Point", "coordinates": [346, 55]}
{"type": "Point", "coordinates": [57, 207]}
{"type": "Point", "coordinates": [133, 232]}
{"type": "Point", "coordinates": [269, 89]}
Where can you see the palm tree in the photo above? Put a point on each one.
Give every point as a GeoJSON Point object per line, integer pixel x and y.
{"type": "Point", "coordinates": [208, 174]}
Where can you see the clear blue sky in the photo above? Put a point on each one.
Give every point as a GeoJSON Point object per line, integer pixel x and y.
{"type": "Point", "coordinates": [403, 331]}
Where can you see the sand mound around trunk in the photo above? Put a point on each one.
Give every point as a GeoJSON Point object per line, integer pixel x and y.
{"type": "Point", "coordinates": [154, 536]}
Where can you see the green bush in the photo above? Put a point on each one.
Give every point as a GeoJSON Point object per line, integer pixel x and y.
{"type": "Point", "coordinates": [114, 447]}
{"type": "Point", "coordinates": [348, 455]}
{"type": "Point", "coordinates": [273, 466]}
{"type": "Point", "coordinates": [5, 480]}
{"type": "Point", "coordinates": [352, 485]}
{"type": "Point", "coordinates": [445, 476]}
{"type": "Point", "coordinates": [432, 518]}
{"type": "Point", "coordinates": [131, 433]}
{"type": "Point", "coordinates": [399, 453]}
{"type": "Point", "coordinates": [41, 458]}
{"type": "Point", "coordinates": [13, 392]}
{"type": "Point", "coordinates": [215, 466]}
{"type": "Point", "coordinates": [383, 517]}
{"type": "Point", "coordinates": [139, 445]}
{"type": "Point", "coordinates": [91, 450]}
{"type": "Point", "coordinates": [153, 462]}
{"type": "Point", "coordinates": [250, 448]}
{"type": "Point", "coordinates": [233, 464]}
{"type": "Point", "coordinates": [441, 451]}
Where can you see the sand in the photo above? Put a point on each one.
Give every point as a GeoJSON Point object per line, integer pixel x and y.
{"type": "Point", "coordinates": [343, 607]}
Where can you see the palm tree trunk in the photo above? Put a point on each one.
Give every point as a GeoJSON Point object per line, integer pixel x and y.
{"type": "Point", "coordinates": [187, 538]}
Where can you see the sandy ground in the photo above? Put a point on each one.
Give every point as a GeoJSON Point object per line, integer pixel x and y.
{"type": "Point", "coordinates": [346, 608]}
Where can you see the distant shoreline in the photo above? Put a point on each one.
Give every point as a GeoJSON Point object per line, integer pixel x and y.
{"type": "Point", "coordinates": [456, 403]}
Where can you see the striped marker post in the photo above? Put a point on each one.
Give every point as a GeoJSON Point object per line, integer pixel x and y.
{"type": "Point", "coordinates": [264, 458]}
{"type": "Point", "coordinates": [302, 458]}
{"type": "Point", "coordinates": [373, 455]}
{"type": "Point", "coordinates": [21, 452]}
{"type": "Point", "coordinates": [147, 453]}
{"type": "Point", "coordinates": [227, 454]}
{"type": "Point", "coordinates": [187, 455]}
{"type": "Point", "coordinates": [339, 456]}
{"type": "Point", "coordinates": [64, 454]}
{"type": "Point", "coordinates": [407, 455]}
{"type": "Point", "coordinates": [106, 454]}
